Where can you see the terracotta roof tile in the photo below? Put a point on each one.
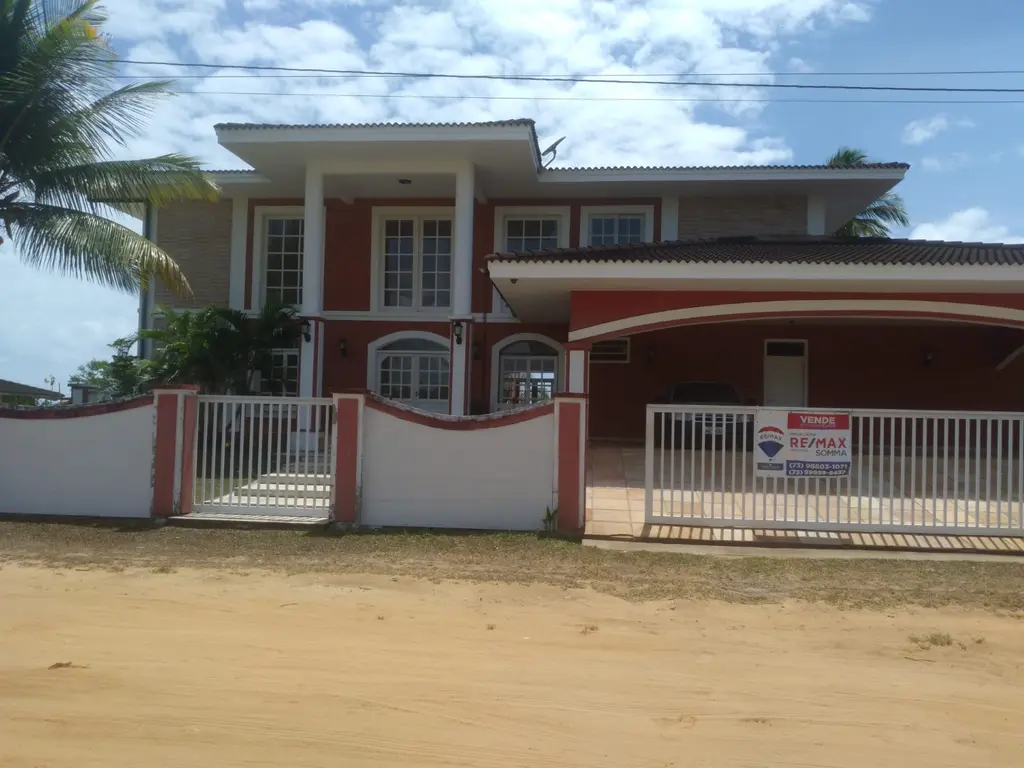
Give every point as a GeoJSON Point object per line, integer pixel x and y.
{"type": "Point", "coordinates": [788, 250]}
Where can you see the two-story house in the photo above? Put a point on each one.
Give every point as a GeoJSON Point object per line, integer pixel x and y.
{"type": "Point", "coordinates": [443, 266]}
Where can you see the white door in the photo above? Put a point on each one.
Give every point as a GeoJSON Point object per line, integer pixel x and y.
{"type": "Point", "coordinates": [785, 374]}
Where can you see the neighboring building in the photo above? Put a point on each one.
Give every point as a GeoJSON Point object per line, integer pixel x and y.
{"type": "Point", "coordinates": [81, 394]}
{"type": "Point", "coordinates": [615, 281]}
{"type": "Point", "coordinates": [13, 393]}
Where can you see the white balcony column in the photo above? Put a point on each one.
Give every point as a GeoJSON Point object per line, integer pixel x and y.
{"type": "Point", "coordinates": [462, 287]}
{"type": "Point", "coordinates": [311, 309]}
{"type": "Point", "coordinates": [815, 215]}
{"type": "Point", "coordinates": [669, 218]}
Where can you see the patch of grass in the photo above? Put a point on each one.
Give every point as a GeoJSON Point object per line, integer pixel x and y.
{"type": "Point", "coordinates": [589, 629]}
{"type": "Point", "coordinates": [490, 627]}
{"type": "Point", "coordinates": [527, 559]}
{"type": "Point", "coordinates": [935, 639]}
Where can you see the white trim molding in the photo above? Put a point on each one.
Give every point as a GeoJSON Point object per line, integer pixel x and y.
{"type": "Point", "coordinates": [377, 217]}
{"type": "Point", "coordinates": [767, 309]}
{"type": "Point", "coordinates": [586, 211]}
{"type": "Point", "coordinates": [515, 339]}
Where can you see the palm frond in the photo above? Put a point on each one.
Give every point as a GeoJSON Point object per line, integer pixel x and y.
{"type": "Point", "coordinates": [87, 246]}
{"type": "Point", "coordinates": [158, 180]}
{"type": "Point", "coordinates": [875, 220]}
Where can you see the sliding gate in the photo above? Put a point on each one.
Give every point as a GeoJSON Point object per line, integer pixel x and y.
{"type": "Point", "coordinates": [941, 472]}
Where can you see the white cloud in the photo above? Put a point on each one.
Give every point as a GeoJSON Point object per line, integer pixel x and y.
{"type": "Point", "coordinates": [951, 162]}
{"type": "Point", "coordinates": [615, 38]}
{"type": "Point", "coordinates": [920, 131]}
{"type": "Point", "coordinates": [971, 225]}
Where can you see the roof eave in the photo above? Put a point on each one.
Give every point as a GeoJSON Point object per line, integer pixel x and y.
{"type": "Point", "coordinates": [555, 175]}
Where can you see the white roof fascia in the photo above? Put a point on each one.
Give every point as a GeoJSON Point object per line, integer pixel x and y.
{"type": "Point", "coordinates": [625, 271]}
{"type": "Point", "coordinates": [556, 176]}
{"type": "Point", "coordinates": [378, 134]}
{"type": "Point", "coordinates": [230, 179]}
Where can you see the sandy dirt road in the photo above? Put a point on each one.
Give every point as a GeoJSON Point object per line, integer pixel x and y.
{"type": "Point", "coordinates": [208, 667]}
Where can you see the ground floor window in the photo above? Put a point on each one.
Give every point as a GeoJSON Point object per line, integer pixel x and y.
{"type": "Point", "coordinates": [414, 371]}
{"type": "Point", "coordinates": [528, 373]}
{"type": "Point", "coordinates": [283, 378]}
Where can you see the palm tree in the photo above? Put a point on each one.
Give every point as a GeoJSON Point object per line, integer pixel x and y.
{"type": "Point", "coordinates": [62, 122]}
{"type": "Point", "coordinates": [875, 220]}
{"type": "Point", "coordinates": [222, 350]}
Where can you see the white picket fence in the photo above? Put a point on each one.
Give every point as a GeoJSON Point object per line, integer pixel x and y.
{"type": "Point", "coordinates": [264, 455]}
{"type": "Point", "coordinates": [911, 472]}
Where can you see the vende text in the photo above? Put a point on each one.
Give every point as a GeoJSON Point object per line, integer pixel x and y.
{"type": "Point", "coordinates": [818, 421]}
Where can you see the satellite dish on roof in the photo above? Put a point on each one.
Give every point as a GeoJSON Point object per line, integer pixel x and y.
{"type": "Point", "coordinates": [553, 151]}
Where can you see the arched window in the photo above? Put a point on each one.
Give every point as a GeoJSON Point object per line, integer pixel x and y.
{"type": "Point", "coordinates": [527, 372]}
{"type": "Point", "coordinates": [414, 371]}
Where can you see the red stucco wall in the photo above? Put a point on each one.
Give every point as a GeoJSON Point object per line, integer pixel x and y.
{"type": "Point", "coordinates": [849, 366]}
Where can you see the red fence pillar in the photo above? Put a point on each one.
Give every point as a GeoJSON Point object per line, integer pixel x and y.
{"type": "Point", "coordinates": [570, 461]}
{"type": "Point", "coordinates": [173, 445]}
{"type": "Point", "coordinates": [348, 458]}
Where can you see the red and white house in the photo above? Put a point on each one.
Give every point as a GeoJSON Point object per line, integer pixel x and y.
{"type": "Point", "coordinates": [444, 267]}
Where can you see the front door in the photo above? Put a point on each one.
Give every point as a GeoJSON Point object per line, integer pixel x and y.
{"type": "Point", "coordinates": [785, 374]}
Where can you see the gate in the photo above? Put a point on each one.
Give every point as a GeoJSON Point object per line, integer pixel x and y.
{"type": "Point", "coordinates": [264, 456]}
{"type": "Point", "coordinates": [921, 472]}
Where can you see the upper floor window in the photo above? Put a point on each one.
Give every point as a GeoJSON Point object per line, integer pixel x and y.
{"type": "Point", "coordinates": [283, 259]}
{"type": "Point", "coordinates": [610, 229]}
{"type": "Point", "coordinates": [533, 233]}
{"type": "Point", "coordinates": [616, 224]}
{"type": "Point", "coordinates": [417, 262]}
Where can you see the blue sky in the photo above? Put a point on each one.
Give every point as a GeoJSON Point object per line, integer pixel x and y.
{"type": "Point", "coordinates": [966, 158]}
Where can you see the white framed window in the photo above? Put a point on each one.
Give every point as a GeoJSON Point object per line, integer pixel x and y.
{"type": "Point", "coordinates": [411, 369]}
{"type": "Point", "coordinates": [616, 224]}
{"type": "Point", "coordinates": [413, 250]}
{"type": "Point", "coordinates": [527, 228]}
{"type": "Point", "coordinates": [282, 270]}
{"type": "Point", "coordinates": [284, 374]}
{"type": "Point", "coordinates": [610, 351]}
{"type": "Point", "coordinates": [277, 265]}
{"type": "Point", "coordinates": [527, 369]}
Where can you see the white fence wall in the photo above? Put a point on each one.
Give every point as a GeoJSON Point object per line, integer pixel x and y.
{"type": "Point", "coordinates": [99, 465]}
{"type": "Point", "coordinates": [500, 477]}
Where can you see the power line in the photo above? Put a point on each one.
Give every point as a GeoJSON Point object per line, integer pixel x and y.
{"type": "Point", "coordinates": [301, 75]}
{"type": "Point", "coordinates": [579, 80]}
{"type": "Point", "coordinates": [477, 97]}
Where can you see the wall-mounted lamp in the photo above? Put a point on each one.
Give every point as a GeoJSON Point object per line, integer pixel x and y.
{"type": "Point", "coordinates": [405, 182]}
{"type": "Point", "coordinates": [305, 331]}
{"type": "Point", "coordinates": [927, 356]}
{"type": "Point", "coordinates": [457, 329]}
{"type": "Point", "coordinates": [342, 347]}
{"type": "Point", "coordinates": [650, 354]}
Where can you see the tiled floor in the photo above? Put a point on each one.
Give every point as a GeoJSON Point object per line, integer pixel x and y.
{"type": "Point", "coordinates": [616, 498]}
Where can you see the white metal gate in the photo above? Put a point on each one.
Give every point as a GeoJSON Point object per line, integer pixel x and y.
{"type": "Point", "coordinates": [264, 456]}
{"type": "Point", "coordinates": [940, 472]}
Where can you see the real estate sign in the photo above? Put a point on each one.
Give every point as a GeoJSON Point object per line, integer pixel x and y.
{"type": "Point", "coordinates": [801, 444]}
